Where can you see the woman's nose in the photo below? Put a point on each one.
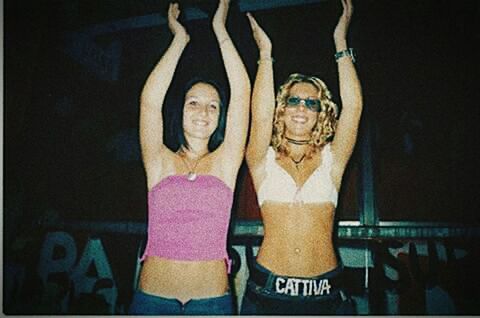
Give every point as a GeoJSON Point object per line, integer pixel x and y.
{"type": "Point", "coordinates": [204, 110]}
{"type": "Point", "coordinates": [302, 106]}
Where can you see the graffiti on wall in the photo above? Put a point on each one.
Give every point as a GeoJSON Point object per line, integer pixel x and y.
{"type": "Point", "coordinates": [83, 274]}
{"type": "Point", "coordinates": [425, 277]}
{"type": "Point", "coordinates": [73, 274]}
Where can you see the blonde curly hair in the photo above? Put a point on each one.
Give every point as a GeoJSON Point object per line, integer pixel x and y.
{"type": "Point", "coordinates": [322, 132]}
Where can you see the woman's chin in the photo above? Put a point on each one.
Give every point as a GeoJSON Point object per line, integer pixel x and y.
{"type": "Point", "coordinates": [202, 134]}
{"type": "Point", "coordinates": [299, 134]}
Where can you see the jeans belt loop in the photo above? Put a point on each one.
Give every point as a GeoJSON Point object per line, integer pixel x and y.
{"type": "Point", "coordinates": [270, 283]}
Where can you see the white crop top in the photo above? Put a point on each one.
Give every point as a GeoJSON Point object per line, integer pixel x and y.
{"type": "Point", "coordinates": [279, 186]}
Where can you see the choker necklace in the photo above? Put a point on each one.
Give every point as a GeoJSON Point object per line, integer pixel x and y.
{"type": "Point", "coordinates": [297, 142]}
{"type": "Point", "coordinates": [191, 175]}
{"type": "Point", "coordinates": [297, 162]}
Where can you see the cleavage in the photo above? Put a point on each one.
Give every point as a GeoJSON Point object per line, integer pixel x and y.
{"type": "Point", "coordinates": [301, 176]}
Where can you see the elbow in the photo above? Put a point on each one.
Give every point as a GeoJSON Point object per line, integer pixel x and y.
{"type": "Point", "coordinates": [146, 98]}
{"type": "Point", "coordinates": [149, 100]}
{"type": "Point", "coordinates": [248, 156]}
{"type": "Point", "coordinates": [247, 83]}
{"type": "Point", "coordinates": [243, 89]}
{"type": "Point", "coordinates": [353, 101]}
{"type": "Point", "coordinates": [358, 106]}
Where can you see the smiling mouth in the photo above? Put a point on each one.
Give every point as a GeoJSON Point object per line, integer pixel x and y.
{"type": "Point", "coordinates": [202, 123]}
{"type": "Point", "coordinates": [299, 119]}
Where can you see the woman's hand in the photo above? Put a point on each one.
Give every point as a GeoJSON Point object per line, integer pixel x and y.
{"type": "Point", "coordinates": [340, 33]}
{"type": "Point", "coordinates": [220, 17]}
{"type": "Point", "coordinates": [261, 38]}
{"type": "Point", "coordinates": [175, 26]}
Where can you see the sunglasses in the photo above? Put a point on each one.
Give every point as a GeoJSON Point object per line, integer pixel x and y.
{"type": "Point", "coordinates": [311, 104]}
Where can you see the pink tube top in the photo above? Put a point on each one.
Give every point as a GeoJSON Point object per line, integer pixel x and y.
{"type": "Point", "coordinates": [188, 220]}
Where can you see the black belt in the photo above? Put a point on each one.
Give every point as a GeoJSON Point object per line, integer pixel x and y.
{"type": "Point", "coordinates": [322, 285]}
{"type": "Point", "coordinates": [272, 299]}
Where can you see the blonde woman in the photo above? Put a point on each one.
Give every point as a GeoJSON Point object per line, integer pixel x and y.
{"type": "Point", "coordinates": [297, 153]}
{"type": "Point", "coordinates": [190, 190]}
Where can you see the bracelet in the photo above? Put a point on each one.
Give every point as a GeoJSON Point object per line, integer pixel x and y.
{"type": "Point", "coordinates": [224, 40]}
{"type": "Point", "coordinates": [266, 59]}
{"type": "Point", "coordinates": [348, 52]}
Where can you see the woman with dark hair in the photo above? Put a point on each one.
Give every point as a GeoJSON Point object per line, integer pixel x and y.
{"type": "Point", "coordinates": [176, 126]}
{"type": "Point", "coordinates": [190, 191]}
{"type": "Point", "coordinates": [297, 153]}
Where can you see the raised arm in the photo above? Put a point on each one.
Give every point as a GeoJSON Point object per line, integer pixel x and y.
{"type": "Point", "coordinates": [238, 109]}
{"type": "Point", "coordinates": [263, 100]}
{"type": "Point", "coordinates": [153, 96]}
{"type": "Point", "coordinates": [350, 94]}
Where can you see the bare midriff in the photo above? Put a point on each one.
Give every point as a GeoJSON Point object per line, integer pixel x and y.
{"type": "Point", "coordinates": [298, 238]}
{"type": "Point", "coordinates": [183, 280]}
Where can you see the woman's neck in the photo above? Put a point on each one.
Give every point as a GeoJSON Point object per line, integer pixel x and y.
{"type": "Point", "coordinates": [298, 145]}
{"type": "Point", "coordinates": [196, 148]}
{"type": "Point", "coordinates": [297, 150]}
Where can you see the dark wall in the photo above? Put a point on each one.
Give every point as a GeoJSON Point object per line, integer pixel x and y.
{"type": "Point", "coordinates": [71, 144]}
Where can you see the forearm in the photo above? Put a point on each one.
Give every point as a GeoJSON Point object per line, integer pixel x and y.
{"type": "Point", "coordinates": [237, 75]}
{"type": "Point", "coordinates": [263, 108]}
{"type": "Point", "coordinates": [160, 78]}
{"type": "Point", "coordinates": [263, 96]}
{"type": "Point", "coordinates": [352, 102]}
{"type": "Point", "coordinates": [350, 90]}
{"type": "Point", "coordinates": [350, 94]}
{"type": "Point", "coordinates": [349, 83]}
{"type": "Point", "coordinates": [152, 98]}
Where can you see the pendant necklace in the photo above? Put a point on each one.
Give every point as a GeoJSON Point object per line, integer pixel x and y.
{"type": "Point", "coordinates": [191, 175]}
{"type": "Point", "coordinates": [297, 192]}
{"type": "Point", "coordinates": [297, 162]}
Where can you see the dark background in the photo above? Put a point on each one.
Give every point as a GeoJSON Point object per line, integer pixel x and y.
{"type": "Point", "coordinates": [71, 142]}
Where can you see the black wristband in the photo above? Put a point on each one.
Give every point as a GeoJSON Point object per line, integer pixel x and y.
{"type": "Point", "coordinates": [348, 52]}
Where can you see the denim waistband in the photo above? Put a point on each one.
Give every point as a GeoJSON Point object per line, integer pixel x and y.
{"type": "Point", "coordinates": [175, 300]}
{"type": "Point", "coordinates": [148, 304]}
{"type": "Point", "coordinates": [263, 281]}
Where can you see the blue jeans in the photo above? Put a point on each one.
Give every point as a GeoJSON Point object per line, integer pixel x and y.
{"type": "Point", "coordinates": [146, 304]}
{"type": "Point", "coordinates": [272, 297]}
{"type": "Point", "coordinates": [272, 306]}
